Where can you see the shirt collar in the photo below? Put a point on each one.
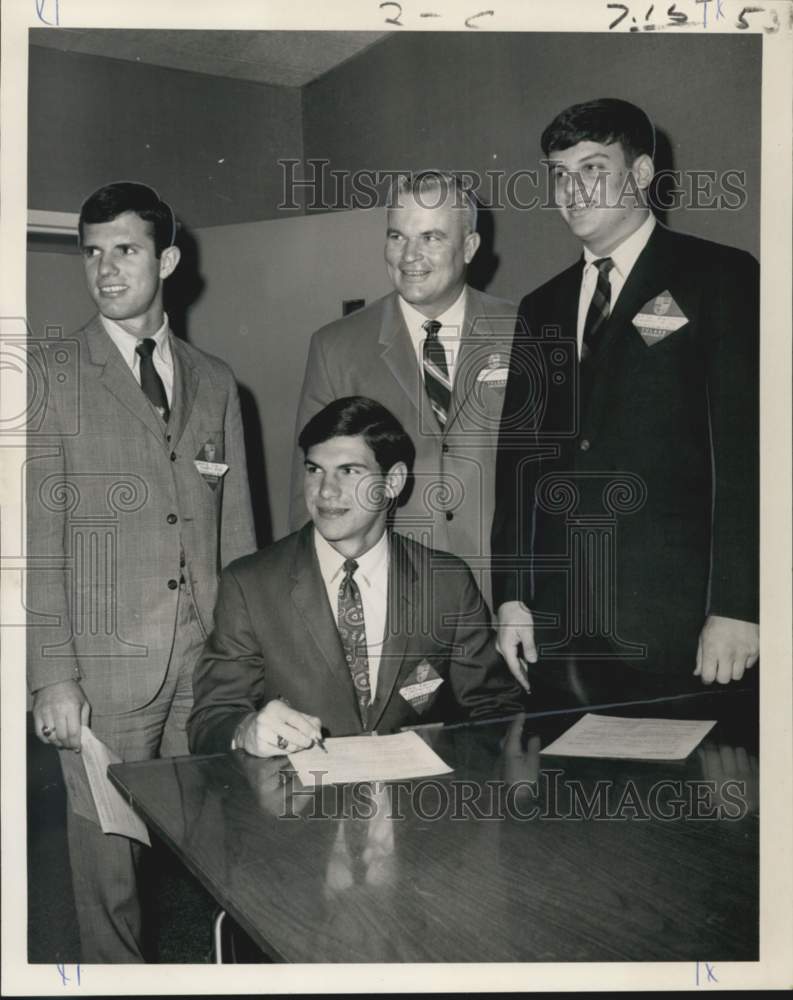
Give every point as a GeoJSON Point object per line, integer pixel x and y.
{"type": "Point", "coordinates": [126, 342]}
{"type": "Point", "coordinates": [452, 317]}
{"type": "Point", "coordinates": [627, 253]}
{"type": "Point", "coordinates": [331, 562]}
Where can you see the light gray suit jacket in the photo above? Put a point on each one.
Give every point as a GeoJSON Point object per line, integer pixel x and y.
{"type": "Point", "coordinates": [118, 512]}
{"type": "Point", "coordinates": [369, 353]}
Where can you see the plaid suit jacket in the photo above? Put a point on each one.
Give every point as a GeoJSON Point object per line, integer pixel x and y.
{"type": "Point", "coordinates": [118, 513]}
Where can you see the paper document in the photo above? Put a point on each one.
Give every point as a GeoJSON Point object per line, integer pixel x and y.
{"type": "Point", "coordinates": [115, 815]}
{"type": "Point", "coordinates": [634, 739]}
{"type": "Point", "coordinates": [368, 758]}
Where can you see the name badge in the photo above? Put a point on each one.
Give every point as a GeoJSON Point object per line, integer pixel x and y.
{"type": "Point", "coordinates": [420, 685]}
{"type": "Point", "coordinates": [659, 317]}
{"type": "Point", "coordinates": [216, 470]}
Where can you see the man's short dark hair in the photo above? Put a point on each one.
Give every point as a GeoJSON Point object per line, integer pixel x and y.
{"type": "Point", "coordinates": [357, 415]}
{"type": "Point", "coordinates": [605, 120]}
{"type": "Point", "coordinates": [113, 200]}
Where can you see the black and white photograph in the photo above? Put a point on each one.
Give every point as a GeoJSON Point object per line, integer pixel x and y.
{"type": "Point", "coordinates": [397, 497]}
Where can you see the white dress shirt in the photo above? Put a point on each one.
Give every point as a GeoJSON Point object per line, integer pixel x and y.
{"type": "Point", "coordinates": [449, 334]}
{"type": "Point", "coordinates": [624, 257]}
{"type": "Point", "coordinates": [162, 357]}
{"type": "Point", "coordinates": [372, 579]}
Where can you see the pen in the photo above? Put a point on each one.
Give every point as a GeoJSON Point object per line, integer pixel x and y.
{"type": "Point", "coordinates": [318, 741]}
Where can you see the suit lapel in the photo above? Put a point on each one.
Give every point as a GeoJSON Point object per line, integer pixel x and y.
{"type": "Point", "coordinates": [117, 378]}
{"type": "Point", "coordinates": [311, 600]}
{"type": "Point", "coordinates": [185, 387]}
{"type": "Point", "coordinates": [648, 276]}
{"type": "Point", "coordinates": [397, 351]}
{"type": "Point", "coordinates": [463, 385]}
{"type": "Point", "coordinates": [400, 623]}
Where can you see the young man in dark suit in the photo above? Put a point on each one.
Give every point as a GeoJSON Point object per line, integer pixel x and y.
{"type": "Point", "coordinates": [626, 526]}
{"type": "Point", "coordinates": [345, 627]}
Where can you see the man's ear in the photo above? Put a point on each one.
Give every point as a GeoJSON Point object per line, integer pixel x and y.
{"type": "Point", "coordinates": [169, 258]}
{"type": "Point", "coordinates": [395, 480]}
{"type": "Point", "coordinates": [472, 241]}
{"type": "Point", "coordinates": [643, 169]}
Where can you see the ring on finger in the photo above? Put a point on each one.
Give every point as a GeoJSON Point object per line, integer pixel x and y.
{"type": "Point", "coordinates": [281, 743]}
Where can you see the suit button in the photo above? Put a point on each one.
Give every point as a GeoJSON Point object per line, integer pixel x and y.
{"type": "Point", "coordinates": [172, 519]}
{"type": "Point", "coordinates": [173, 584]}
{"type": "Point", "coordinates": [449, 515]}
{"type": "Point", "coordinates": [445, 449]}
{"type": "Point", "coordinates": [173, 456]}
{"type": "Point", "coordinates": [168, 437]}
{"type": "Point", "coordinates": [584, 446]}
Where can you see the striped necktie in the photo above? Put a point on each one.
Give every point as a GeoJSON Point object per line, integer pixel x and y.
{"type": "Point", "coordinates": [436, 372]}
{"type": "Point", "coordinates": [599, 308]}
{"type": "Point", "coordinates": [150, 381]}
{"type": "Point", "coordinates": [352, 631]}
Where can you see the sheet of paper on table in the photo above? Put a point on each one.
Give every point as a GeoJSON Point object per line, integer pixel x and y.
{"type": "Point", "coordinates": [115, 814]}
{"type": "Point", "coordinates": [368, 758]}
{"type": "Point", "coordinates": [632, 739]}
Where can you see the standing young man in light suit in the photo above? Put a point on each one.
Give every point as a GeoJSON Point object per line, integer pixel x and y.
{"type": "Point", "coordinates": [664, 444]}
{"type": "Point", "coordinates": [344, 627]}
{"type": "Point", "coordinates": [435, 352]}
{"type": "Point", "coordinates": [137, 501]}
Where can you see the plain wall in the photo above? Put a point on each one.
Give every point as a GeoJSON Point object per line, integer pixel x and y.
{"type": "Point", "coordinates": [479, 101]}
{"type": "Point", "coordinates": [209, 145]}
{"type": "Point", "coordinates": [270, 285]}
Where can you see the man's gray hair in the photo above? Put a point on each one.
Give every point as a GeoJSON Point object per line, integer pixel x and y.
{"type": "Point", "coordinates": [431, 188]}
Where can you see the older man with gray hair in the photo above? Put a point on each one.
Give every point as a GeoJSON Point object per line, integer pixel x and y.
{"type": "Point", "coordinates": [435, 352]}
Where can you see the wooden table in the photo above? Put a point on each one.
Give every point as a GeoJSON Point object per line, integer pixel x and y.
{"type": "Point", "coordinates": [481, 865]}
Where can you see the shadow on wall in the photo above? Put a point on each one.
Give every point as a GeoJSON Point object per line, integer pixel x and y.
{"type": "Point", "coordinates": [182, 290]}
{"type": "Point", "coordinates": [483, 267]}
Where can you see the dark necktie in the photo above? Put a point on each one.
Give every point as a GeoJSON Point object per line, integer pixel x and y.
{"type": "Point", "coordinates": [352, 630]}
{"type": "Point", "coordinates": [436, 372]}
{"type": "Point", "coordinates": [150, 381]}
{"type": "Point", "coordinates": [599, 308]}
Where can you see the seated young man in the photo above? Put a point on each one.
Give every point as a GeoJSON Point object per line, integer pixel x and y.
{"type": "Point", "coordinates": [346, 627]}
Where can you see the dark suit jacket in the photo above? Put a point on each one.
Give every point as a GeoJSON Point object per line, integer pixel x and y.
{"type": "Point", "coordinates": [673, 427]}
{"type": "Point", "coordinates": [114, 502]}
{"type": "Point", "coordinates": [275, 636]}
{"type": "Point", "coordinates": [369, 353]}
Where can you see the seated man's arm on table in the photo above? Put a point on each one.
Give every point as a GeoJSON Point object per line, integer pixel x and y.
{"type": "Point", "coordinates": [230, 708]}
{"type": "Point", "coordinates": [481, 684]}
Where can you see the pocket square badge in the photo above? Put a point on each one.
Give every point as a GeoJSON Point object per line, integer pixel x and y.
{"type": "Point", "coordinates": [495, 371]}
{"type": "Point", "coordinates": [659, 317]}
{"type": "Point", "coordinates": [211, 470]}
{"type": "Point", "coordinates": [423, 682]}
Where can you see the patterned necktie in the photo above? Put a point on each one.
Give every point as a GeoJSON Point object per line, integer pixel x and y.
{"type": "Point", "coordinates": [436, 372]}
{"type": "Point", "coordinates": [150, 381]}
{"type": "Point", "coordinates": [352, 630]}
{"type": "Point", "coordinates": [599, 308]}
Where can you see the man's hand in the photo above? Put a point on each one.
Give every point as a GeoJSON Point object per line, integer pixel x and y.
{"type": "Point", "coordinates": [59, 710]}
{"type": "Point", "coordinates": [277, 729]}
{"type": "Point", "coordinates": [727, 647]}
{"type": "Point", "coordinates": [515, 627]}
